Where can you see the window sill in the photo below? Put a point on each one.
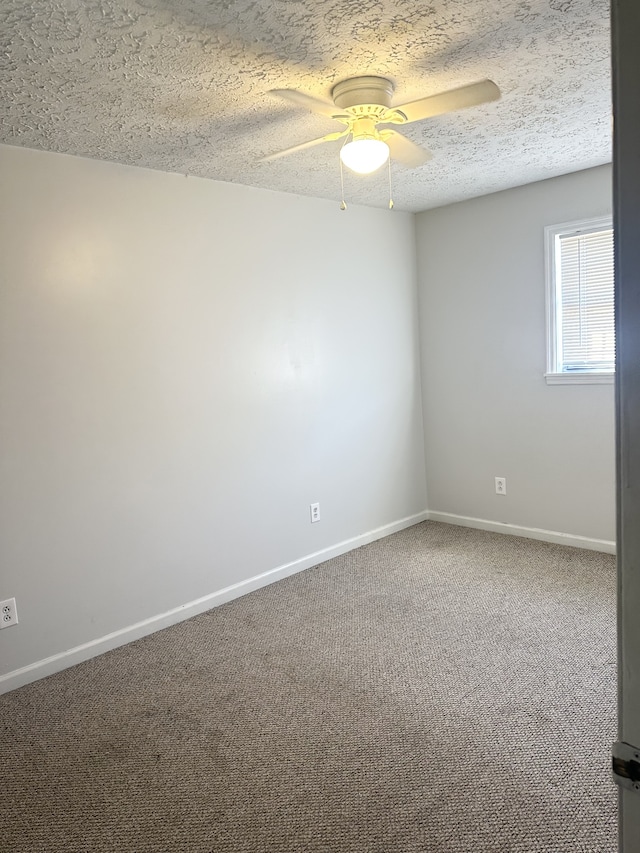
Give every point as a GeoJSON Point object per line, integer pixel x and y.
{"type": "Point", "coordinates": [580, 378]}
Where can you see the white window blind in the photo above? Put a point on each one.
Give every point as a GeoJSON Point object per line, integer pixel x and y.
{"type": "Point", "coordinates": [586, 301]}
{"type": "Point", "coordinates": [581, 333]}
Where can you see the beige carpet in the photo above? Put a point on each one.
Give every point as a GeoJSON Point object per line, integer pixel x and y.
{"type": "Point", "coordinates": [440, 690]}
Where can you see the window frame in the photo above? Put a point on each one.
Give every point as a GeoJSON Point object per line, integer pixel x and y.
{"type": "Point", "coordinates": [552, 375]}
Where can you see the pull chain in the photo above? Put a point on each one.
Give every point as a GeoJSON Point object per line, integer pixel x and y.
{"type": "Point", "coordinates": [390, 196]}
{"type": "Point", "coordinates": [343, 203]}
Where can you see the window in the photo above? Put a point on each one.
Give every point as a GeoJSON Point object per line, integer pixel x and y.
{"type": "Point", "coordinates": [580, 320]}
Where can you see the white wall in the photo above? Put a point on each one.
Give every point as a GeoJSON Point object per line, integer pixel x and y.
{"type": "Point", "coordinates": [488, 411]}
{"type": "Point", "coordinates": [184, 367]}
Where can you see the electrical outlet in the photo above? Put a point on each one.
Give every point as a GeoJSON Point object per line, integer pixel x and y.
{"type": "Point", "coordinates": [501, 485]}
{"type": "Point", "coordinates": [8, 613]}
{"type": "Point", "coordinates": [315, 513]}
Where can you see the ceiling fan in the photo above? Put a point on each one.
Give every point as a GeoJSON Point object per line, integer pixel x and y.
{"type": "Point", "coordinates": [363, 105]}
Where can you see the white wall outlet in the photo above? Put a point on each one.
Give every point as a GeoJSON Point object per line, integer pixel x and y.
{"type": "Point", "coordinates": [315, 513]}
{"type": "Point", "coordinates": [8, 613]}
{"type": "Point", "coordinates": [501, 485]}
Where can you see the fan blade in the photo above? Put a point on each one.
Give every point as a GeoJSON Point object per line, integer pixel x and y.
{"type": "Point", "coordinates": [454, 99]}
{"type": "Point", "coordinates": [307, 102]}
{"type": "Point", "coordinates": [328, 138]}
{"type": "Point", "coordinates": [404, 150]}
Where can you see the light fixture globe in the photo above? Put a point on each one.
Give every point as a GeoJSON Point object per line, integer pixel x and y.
{"type": "Point", "coordinates": [364, 156]}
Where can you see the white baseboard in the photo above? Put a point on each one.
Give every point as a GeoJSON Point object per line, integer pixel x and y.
{"type": "Point", "coordinates": [93, 648]}
{"type": "Point", "coordinates": [605, 545]}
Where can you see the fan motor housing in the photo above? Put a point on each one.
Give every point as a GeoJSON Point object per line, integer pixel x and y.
{"type": "Point", "coordinates": [373, 92]}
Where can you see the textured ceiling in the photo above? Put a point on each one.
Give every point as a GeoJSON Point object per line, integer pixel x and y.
{"type": "Point", "coordinates": [182, 86]}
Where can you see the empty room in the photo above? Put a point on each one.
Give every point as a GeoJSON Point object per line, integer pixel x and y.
{"type": "Point", "coordinates": [308, 427]}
